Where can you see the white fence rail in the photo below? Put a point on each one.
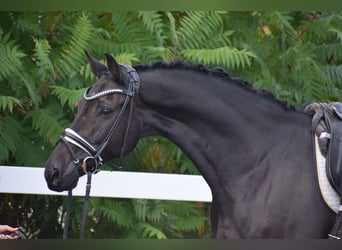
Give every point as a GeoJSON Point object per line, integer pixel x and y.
{"type": "Point", "coordinates": [115, 184]}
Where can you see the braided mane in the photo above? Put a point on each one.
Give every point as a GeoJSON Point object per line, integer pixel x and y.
{"type": "Point", "coordinates": [216, 72]}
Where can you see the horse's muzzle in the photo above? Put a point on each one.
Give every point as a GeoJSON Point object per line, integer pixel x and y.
{"type": "Point", "coordinates": [58, 180]}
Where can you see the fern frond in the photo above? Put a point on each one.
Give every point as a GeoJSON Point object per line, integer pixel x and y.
{"type": "Point", "coordinates": [337, 32]}
{"type": "Point", "coordinates": [196, 27]}
{"type": "Point", "coordinates": [109, 46]}
{"type": "Point", "coordinates": [4, 151]}
{"type": "Point", "coordinates": [317, 30]}
{"type": "Point", "coordinates": [41, 53]}
{"type": "Point", "coordinates": [147, 210]}
{"type": "Point", "coordinates": [127, 58]}
{"type": "Point", "coordinates": [27, 23]}
{"type": "Point", "coordinates": [190, 223]}
{"type": "Point", "coordinates": [87, 74]}
{"type": "Point", "coordinates": [186, 215]}
{"type": "Point", "coordinates": [330, 52]}
{"type": "Point", "coordinates": [49, 124]}
{"type": "Point", "coordinates": [127, 29]}
{"type": "Point", "coordinates": [10, 136]}
{"type": "Point", "coordinates": [116, 211]}
{"type": "Point", "coordinates": [33, 151]}
{"type": "Point", "coordinates": [300, 56]}
{"type": "Point", "coordinates": [30, 86]}
{"type": "Point", "coordinates": [316, 86]}
{"type": "Point", "coordinates": [149, 231]}
{"type": "Point", "coordinates": [8, 102]}
{"type": "Point", "coordinates": [283, 21]}
{"type": "Point", "coordinates": [180, 208]}
{"type": "Point", "coordinates": [68, 96]}
{"type": "Point", "coordinates": [73, 54]}
{"type": "Point", "coordinates": [335, 26]}
{"type": "Point", "coordinates": [335, 74]}
{"type": "Point", "coordinates": [157, 53]}
{"type": "Point", "coordinates": [228, 57]}
{"type": "Point", "coordinates": [10, 57]}
{"type": "Point", "coordinates": [154, 23]}
{"type": "Point", "coordinates": [311, 88]}
{"type": "Point", "coordinates": [172, 30]}
{"type": "Point", "coordinates": [186, 165]}
{"type": "Point", "coordinates": [140, 207]}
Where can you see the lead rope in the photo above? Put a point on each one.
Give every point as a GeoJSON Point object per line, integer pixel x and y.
{"type": "Point", "coordinates": [85, 209]}
{"type": "Point", "coordinates": [67, 217]}
{"type": "Point", "coordinates": [85, 204]}
{"type": "Point", "coordinates": [69, 200]}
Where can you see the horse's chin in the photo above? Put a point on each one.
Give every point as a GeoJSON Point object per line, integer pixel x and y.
{"type": "Point", "coordinates": [62, 187]}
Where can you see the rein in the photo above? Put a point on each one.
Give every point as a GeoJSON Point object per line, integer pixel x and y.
{"type": "Point", "coordinates": [92, 163]}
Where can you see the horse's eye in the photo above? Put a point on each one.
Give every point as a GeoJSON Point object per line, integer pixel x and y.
{"type": "Point", "coordinates": [106, 111]}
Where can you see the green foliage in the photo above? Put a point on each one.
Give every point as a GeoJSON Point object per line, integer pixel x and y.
{"type": "Point", "coordinates": [149, 231]}
{"type": "Point", "coordinates": [81, 33]}
{"type": "Point", "coordinates": [154, 24]}
{"type": "Point", "coordinates": [198, 28]}
{"type": "Point", "coordinates": [9, 136]}
{"type": "Point", "coordinates": [41, 55]}
{"type": "Point", "coordinates": [43, 73]}
{"type": "Point", "coordinates": [47, 123]}
{"type": "Point", "coordinates": [67, 96]}
{"type": "Point", "coordinates": [334, 73]}
{"type": "Point", "coordinates": [146, 218]}
{"type": "Point", "coordinates": [228, 57]}
{"type": "Point", "coordinates": [10, 57]}
{"type": "Point", "coordinates": [8, 102]}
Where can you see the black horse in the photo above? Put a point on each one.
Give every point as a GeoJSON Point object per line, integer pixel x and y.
{"type": "Point", "coordinates": [254, 151]}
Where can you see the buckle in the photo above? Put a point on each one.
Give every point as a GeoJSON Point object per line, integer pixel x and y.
{"type": "Point", "coordinates": [90, 164]}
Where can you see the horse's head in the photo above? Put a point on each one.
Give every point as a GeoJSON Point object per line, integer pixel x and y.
{"type": "Point", "coordinates": [105, 127]}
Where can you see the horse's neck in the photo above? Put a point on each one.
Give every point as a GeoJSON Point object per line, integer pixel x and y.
{"type": "Point", "coordinates": [208, 105]}
{"type": "Point", "coordinates": [212, 123]}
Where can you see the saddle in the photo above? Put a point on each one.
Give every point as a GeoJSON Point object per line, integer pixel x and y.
{"type": "Point", "coordinates": [327, 125]}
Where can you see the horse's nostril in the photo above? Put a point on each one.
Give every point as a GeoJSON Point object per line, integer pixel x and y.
{"type": "Point", "coordinates": [54, 177]}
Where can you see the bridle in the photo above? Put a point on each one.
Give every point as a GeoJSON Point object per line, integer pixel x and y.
{"type": "Point", "coordinates": [93, 161]}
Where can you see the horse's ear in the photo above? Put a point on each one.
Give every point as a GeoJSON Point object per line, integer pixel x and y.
{"type": "Point", "coordinates": [113, 67]}
{"type": "Point", "coordinates": [96, 67]}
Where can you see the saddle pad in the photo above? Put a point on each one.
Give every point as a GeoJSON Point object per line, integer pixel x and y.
{"type": "Point", "coordinates": [329, 195]}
